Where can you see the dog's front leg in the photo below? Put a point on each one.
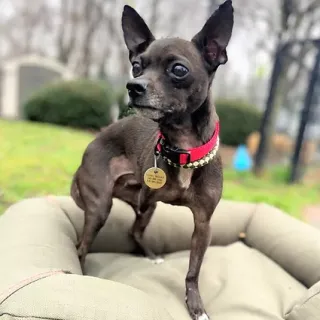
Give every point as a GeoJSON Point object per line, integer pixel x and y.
{"type": "Point", "coordinates": [144, 214]}
{"type": "Point", "coordinates": [143, 217]}
{"type": "Point", "coordinates": [199, 243]}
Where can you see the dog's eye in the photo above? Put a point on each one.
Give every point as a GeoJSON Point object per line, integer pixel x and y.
{"type": "Point", "coordinates": [136, 69]}
{"type": "Point", "coordinates": [179, 71]}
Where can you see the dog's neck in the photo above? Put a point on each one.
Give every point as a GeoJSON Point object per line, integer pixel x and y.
{"type": "Point", "coordinates": [188, 131]}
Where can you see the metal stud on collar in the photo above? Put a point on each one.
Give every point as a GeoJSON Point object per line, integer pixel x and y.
{"type": "Point", "coordinates": [196, 164]}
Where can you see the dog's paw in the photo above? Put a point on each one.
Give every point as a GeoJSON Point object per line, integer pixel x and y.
{"type": "Point", "coordinates": [195, 306]}
{"type": "Point", "coordinates": [156, 260]}
{"type": "Point", "coordinates": [203, 317]}
{"type": "Point", "coordinates": [197, 316]}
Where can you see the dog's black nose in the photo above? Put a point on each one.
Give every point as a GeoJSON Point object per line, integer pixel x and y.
{"type": "Point", "coordinates": [137, 87]}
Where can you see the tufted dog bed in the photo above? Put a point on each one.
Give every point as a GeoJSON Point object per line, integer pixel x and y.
{"type": "Point", "coordinates": [273, 273]}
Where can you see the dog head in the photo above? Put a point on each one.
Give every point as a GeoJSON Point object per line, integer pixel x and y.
{"type": "Point", "coordinates": [173, 76]}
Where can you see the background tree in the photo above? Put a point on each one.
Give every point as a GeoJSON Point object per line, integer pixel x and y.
{"type": "Point", "coordinates": [297, 20]}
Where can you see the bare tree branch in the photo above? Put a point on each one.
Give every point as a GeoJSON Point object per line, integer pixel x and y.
{"type": "Point", "coordinates": [67, 31]}
{"type": "Point", "coordinates": [155, 4]}
{"type": "Point", "coordinates": [315, 5]}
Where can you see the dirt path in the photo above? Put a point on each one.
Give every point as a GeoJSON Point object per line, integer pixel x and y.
{"type": "Point", "coordinates": [312, 215]}
{"type": "Point", "coordinates": [312, 175]}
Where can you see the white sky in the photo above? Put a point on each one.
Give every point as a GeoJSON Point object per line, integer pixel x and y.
{"type": "Point", "coordinates": [239, 60]}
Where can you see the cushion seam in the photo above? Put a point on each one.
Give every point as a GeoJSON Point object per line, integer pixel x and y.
{"type": "Point", "coordinates": [311, 297]}
{"type": "Point", "coordinates": [67, 216]}
{"type": "Point", "coordinates": [25, 317]}
{"type": "Point", "coordinates": [7, 293]}
{"type": "Point", "coordinates": [297, 307]}
{"type": "Point", "coordinates": [254, 211]}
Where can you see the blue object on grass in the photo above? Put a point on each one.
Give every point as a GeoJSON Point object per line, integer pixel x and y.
{"type": "Point", "coordinates": [242, 160]}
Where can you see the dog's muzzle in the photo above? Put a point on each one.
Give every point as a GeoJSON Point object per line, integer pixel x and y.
{"type": "Point", "coordinates": [137, 88]}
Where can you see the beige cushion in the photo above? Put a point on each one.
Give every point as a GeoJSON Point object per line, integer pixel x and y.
{"type": "Point", "coordinates": [258, 281]}
{"type": "Point", "coordinates": [236, 282]}
{"type": "Point", "coordinates": [72, 297]}
{"type": "Point", "coordinates": [308, 307]}
{"type": "Point", "coordinates": [293, 245]}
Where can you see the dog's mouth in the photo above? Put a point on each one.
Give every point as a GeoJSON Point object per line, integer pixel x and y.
{"type": "Point", "coordinates": [148, 111]}
{"type": "Point", "coordinates": [135, 105]}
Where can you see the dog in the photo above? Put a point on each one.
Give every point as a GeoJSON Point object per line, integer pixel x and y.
{"type": "Point", "coordinates": [169, 151]}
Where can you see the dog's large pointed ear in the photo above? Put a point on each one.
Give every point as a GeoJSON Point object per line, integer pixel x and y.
{"type": "Point", "coordinates": [137, 35]}
{"type": "Point", "coordinates": [214, 37]}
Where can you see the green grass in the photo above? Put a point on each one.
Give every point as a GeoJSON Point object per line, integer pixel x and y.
{"type": "Point", "coordinates": [272, 190]}
{"type": "Point", "coordinates": [38, 159]}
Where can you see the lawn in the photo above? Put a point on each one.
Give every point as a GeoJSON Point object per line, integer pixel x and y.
{"type": "Point", "coordinates": [39, 159]}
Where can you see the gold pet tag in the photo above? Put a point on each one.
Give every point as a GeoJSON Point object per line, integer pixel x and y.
{"type": "Point", "coordinates": [155, 178]}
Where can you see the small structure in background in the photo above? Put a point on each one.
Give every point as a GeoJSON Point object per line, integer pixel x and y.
{"type": "Point", "coordinates": [242, 160]}
{"type": "Point", "coordinates": [21, 77]}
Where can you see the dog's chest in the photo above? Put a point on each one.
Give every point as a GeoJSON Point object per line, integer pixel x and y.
{"type": "Point", "coordinates": [184, 178]}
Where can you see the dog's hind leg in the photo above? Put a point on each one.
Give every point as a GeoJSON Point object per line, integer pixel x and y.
{"type": "Point", "coordinates": [96, 189]}
{"type": "Point", "coordinates": [97, 209]}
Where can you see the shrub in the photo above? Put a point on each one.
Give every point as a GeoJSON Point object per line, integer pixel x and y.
{"type": "Point", "coordinates": [238, 119]}
{"type": "Point", "coordinates": [121, 100]}
{"type": "Point", "coordinates": [125, 111]}
{"type": "Point", "coordinates": [76, 103]}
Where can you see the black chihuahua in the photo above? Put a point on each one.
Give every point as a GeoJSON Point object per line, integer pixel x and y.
{"type": "Point", "coordinates": [169, 152]}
